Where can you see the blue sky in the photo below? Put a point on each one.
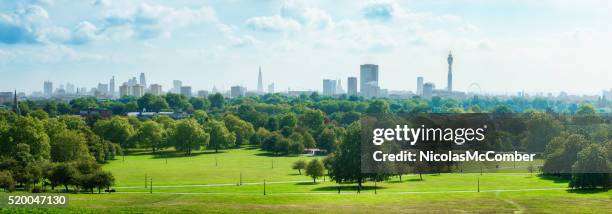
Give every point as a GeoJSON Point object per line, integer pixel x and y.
{"type": "Point", "coordinates": [505, 46]}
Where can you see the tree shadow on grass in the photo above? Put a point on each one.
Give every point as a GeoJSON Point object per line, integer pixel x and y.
{"type": "Point", "coordinates": [347, 188]}
{"type": "Point", "coordinates": [587, 191]}
{"type": "Point", "coordinates": [174, 154]}
{"type": "Point", "coordinates": [405, 180]}
{"type": "Point", "coordinates": [556, 179]}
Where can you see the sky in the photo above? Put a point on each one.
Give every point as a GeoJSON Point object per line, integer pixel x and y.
{"type": "Point", "coordinates": [505, 46]}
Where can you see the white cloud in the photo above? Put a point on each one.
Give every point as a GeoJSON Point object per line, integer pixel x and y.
{"type": "Point", "coordinates": [274, 23]}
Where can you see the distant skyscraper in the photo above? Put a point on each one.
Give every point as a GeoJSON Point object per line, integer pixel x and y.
{"type": "Point", "coordinates": [329, 87]}
{"type": "Point", "coordinates": [132, 82]}
{"type": "Point", "coordinates": [237, 91]}
{"type": "Point", "coordinates": [155, 89]}
{"type": "Point", "coordinates": [48, 89]}
{"type": "Point", "coordinates": [202, 93]}
{"type": "Point", "coordinates": [124, 90]}
{"type": "Point", "coordinates": [428, 89]}
{"type": "Point", "coordinates": [143, 80]}
{"type": "Point", "coordinates": [102, 89]}
{"type": "Point", "coordinates": [177, 84]}
{"type": "Point", "coordinates": [16, 104]}
{"type": "Point", "coordinates": [260, 83]}
{"type": "Point", "coordinates": [352, 86]}
{"type": "Point", "coordinates": [369, 80]}
{"type": "Point", "coordinates": [69, 88]}
{"type": "Point", "coordinates": [419, 86]}
{"type": "Point", "coordinates": [450, 72]}
{"type": "Point", "coordinates": [111, 86]}
{"type": "Point", "coordinates": [271, 88]}
{"type": "Point", "coordinates": [137, 90]}
{"type": "Point", "coordinates": [339, 88]}
{"type": "Point", "coordinates": [186, 91]}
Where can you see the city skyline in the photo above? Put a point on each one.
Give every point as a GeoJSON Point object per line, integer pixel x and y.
{"type": "Point", "coordinates": [298, 43]}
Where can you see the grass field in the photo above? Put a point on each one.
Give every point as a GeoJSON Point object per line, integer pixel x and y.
{"type": "Point", "coordinates": [209, 182]}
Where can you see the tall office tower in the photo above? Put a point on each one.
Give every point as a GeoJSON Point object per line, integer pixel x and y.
{"type": "Point", "coordinates": [69, 88]}
{"type": "Point", "coordinates": [450, 72]}
{"type": "Point", "coordinates": [125, 90]}
{"type": "Point", "coordinates": [352, 86]}
{"type": "Point", "coordinates": [260, 83]}
{"type": "Point", "coordinates": [102, 89]}
{"type": "Point", "coordinates": [137, 90]}
{"type": "Point", "coordinates": [271, 88]}
{"type": "Point", "coordinates": [143, 80]}
{"type": "Point", "coordinates": [111, 85]}
{"type": "Point", "coordinates": [155, 89]}
{"type": "Point", "coordinates": [177, 84]}
{"type": "Point", "coordinates": [237, 91]}
{"type": "Point", "coordinates": [339, 88]}
{"type": "Point", "coordinates": [419, 85]}
{"type": "Point", "coordinates": [48, 89]}
{"type": "Point", "coordinates": [186, 91]}
{"type": "Point", "coordinates": [132, 82]}
{"type": "Point", "coordinates": [329, 87]}
{"type": "Point", "coordinates": [203, 93]}
{"type": "Point", "coordinates": [369, 80]}
{"type": "Point", "coordinates": [428, 89]}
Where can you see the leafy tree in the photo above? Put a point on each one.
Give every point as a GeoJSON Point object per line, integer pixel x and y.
{"type": "Point", "coordinates": [314, 169]}
{"type": "Point", "coordinates": [178, 102]}
{"type": "Point", "coordinates": [312, 119]}
{"type": "Point", "coordinates": [29, 131]}
{"type": "Point", "coordinates": [150, 135]}
{"type": "Point", "coordinates": [299, 165]}
{"type": "Point", "coordinates": [64, 174]}
{"type": "Point", "coordinates": [592, 168]}
{"type": "Point", "coordinates": [188, 135]}
{"type": "Point", "coordinates": [259, 136]}
{"type": "Point", "coordinates": [541, 128]}
{"type": "Point", "coordinates": [288, 120]}
{"type": "Point", "coordinates": [378, 107]}
{"type": "Point", "coordinates": [220, 136]}
{"type": "Point", "coordinates": [199, 103]}
{"type": "Point", "coordinates": [327, 140]}
{"type": "Point", "coordinates": [345, 162]}
{"type": "Point", "coordinates": [6, 181]}
{"type": "Point", "coordinates": [68, 146]}
{"type": "Point", "coordinates": [117, 130]}
{"type": "Point", "coordinates": [216, 101]}
{"type": "Point", "coordinates": [242, 129]}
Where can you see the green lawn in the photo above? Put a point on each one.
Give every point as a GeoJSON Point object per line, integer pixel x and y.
{"type": "Point", "coordinates": [196, 184]}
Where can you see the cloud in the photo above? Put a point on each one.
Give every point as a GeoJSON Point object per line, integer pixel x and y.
{"type": "Point", "coordinates": [381, 10]}
{"type": "Point", "coordinates": [274, 23]}
{"type": "Point", "coordinates": [84, 32]}
{"type": "Point", "coordinates": [24, 25]}
{"type": "Point", "coordinates": [152, 21]}
{"type": "Point", "coordinates": [292, 16]}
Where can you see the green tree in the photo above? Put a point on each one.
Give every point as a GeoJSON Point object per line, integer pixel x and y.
{"type": "Point", "coordinates": [312, 119]}
{"type": "Point", "coordinates": [188, 135]}
{"type": "Point", "coordinates": [64, 174]}
{"type": "Point", "coordinates": [220, 136]}
{"type": "Point", "coordinates": [216, 101]}
{"type": "Point", "coordinates": [592, 168]}
{"type": "Point", "coordinates": [242, 129]}
{"type": "Point", "coordinates": [150, 135]}
{"type": "Point", "coordinates": [117, 130]}
{"type": "Point", "coordinates": [299, 165]}
{"type": "Point", "coordinates": [314, 169]}
{"type": "Point", "coordinates": [68, 146]}
{"type": "Point", "coordinates": [30, 131]}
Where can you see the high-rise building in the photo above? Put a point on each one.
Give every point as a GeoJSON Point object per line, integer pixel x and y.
{"type": "Point", "coordinates": [186, 91]}
{"type": "Point", "coordinates": [419, 86]}
{"type": "Point", "coordinates": [111, 85]}
{"type": "Point", "coordinates": [369, 80]}
{"type": "Point", "coordinates": [449, 86]}
{"type": "Point", "coordinates": [428, 89]}
{"type": "Point", "coordinates": [329, 87]}
{"type": "Point", "coordinates": [137, 90]}
{"type": "Point", "coordinates": [260, 83]}
{"type": "Point", "coordinates": [177, 84]}
{"type": "Point", "coordinates": [155, 89]}
{"type": "Point", "coordinates": [143, 80]}
{"type": "Point", "coordinates": [48, 89]}
{"type": "Point", "coordinates": [102, 89]}
{"type": "Point", "coordinates": [339, 88]}
{"type": "Point", "coordinates": [237, 91]}
{"type": "Point", "coordinates": [124, 90]}
{"type": "Point", "coordinates": [202, 93]}
{"type": "Point", "coordinates": [271, 88]}
{"type": "Point", "coordinates": [352, 86]}
{"type": "Point", "coordinates": [132, 82]}
{"type": "Point", "coordinates": [69, 88]}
